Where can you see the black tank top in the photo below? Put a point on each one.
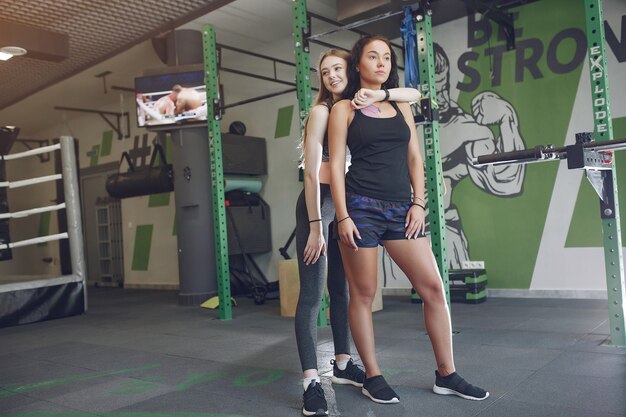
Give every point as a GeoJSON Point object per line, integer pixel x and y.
{"type": "Point", "coordinates": [379, 149]}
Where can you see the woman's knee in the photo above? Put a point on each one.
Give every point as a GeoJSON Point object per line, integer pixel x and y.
{"type": "Point", "coordinates": [363, 295]}
{"type": "Point", "coordinates": [432, 292]}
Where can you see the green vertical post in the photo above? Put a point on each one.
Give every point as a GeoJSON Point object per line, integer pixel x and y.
{"type": "Point", "coordinates": [303, 88]}
{"type": "Point", "coordinates": [301, 50]}
{"type": "Point", "coordinates": [217, 172]}
{"type": "Point", "coordinates": [434, 170]}
{"type": "Point", "coordinates": [603, 131]}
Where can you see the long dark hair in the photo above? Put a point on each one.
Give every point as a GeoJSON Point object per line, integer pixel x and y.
{"type": "Point", "coordinates": [323, 95]}
{"type": "Point", "coordinates": [354, 81]}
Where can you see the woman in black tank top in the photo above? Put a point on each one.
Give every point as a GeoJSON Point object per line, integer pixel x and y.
{"type": "Point", "coordinates": [381, 201]}
{"type": "Point", "coordinates": [319, 261]}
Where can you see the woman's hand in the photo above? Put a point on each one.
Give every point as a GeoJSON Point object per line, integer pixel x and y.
{"type": "Point", "coordinates": [365, 97]}
{"type": "Point", "coordinates": [347, 232]}
{"type": "Point", "coordinates": [415, 223]}
{"type": "Point", "coordinates": [315, 247]}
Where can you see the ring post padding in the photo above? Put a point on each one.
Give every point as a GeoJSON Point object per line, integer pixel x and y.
{"type": "Point", "coordinates": [72, 210]}
{"type": "Point", "coordinates": [217, 173]}
{"type": "Point", "coordinates": [432, 157]}
{"type": "Point", "coordinates": [603, 129]}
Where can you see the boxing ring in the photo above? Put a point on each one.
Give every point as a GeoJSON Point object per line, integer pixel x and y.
{"type": "Point", "coordinates": [36, 298]}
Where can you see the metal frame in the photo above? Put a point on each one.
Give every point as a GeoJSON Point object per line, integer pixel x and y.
{"type": "Point", "coordinates": [598, 164]}
{"type": "Point", "coordinates": [212, 66]}
{"type": "Point", "coordinates": [354, 24]}
{"type": "Point", "coordinates": [104, 114]}
{"type": "Point", "coordinates": [217, 172]}
{"type": "Point", "coordinates": [351, 27]}
{"type": "Point", "coordinates": [609, 210]}
{"type": "Point", "coordinates": [274, 79]}
{"type": "Point", "coordinates": [432, 157]}
{"type": "Point", "coordinates": [301, 29]}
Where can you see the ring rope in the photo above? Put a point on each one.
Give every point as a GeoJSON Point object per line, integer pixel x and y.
{"type": "Point", "coordinates": [43, 149]}
{"type": "Point", "coordinates": [26, 213]}
{"type": "Point", "coordinates": [34, 241]}
{"type": "Point", "coordinates": [31, 181]}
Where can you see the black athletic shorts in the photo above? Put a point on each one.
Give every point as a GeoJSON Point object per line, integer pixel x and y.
{"type": "Point", "coordinates": [377, 220]}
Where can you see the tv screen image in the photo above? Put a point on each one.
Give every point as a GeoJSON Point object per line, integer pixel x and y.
{"type": "Point", "coordinates": [170, 99]}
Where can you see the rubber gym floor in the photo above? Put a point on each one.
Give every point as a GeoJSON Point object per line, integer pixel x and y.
{"type": "Point", "coordinates": [137, 353]}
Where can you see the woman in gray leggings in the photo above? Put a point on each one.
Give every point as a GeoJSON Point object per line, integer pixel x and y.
{"type": "Point", "coordinates": [314, 214]}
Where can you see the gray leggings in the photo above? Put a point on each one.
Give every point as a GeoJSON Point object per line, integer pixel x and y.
{"type": "Point", "coordinates": [312, 283]}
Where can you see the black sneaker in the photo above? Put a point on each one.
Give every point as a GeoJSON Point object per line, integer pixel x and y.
{"type": "Point", "coordinates": [352, 375]}
{"type": "Point", "coordinates": [454, 384]}
{"type": "Point", "coordinates": [314, 400]}
{"type": "Point", "coordinates": [377, 389]}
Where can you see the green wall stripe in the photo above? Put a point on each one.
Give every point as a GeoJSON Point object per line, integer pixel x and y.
{"type": "Point", "coordinates": [159, 200]}
{"type": "Point", "coordinates": [141, 252]}
{"type": "Point", "coordinates": [95, 154]}
{"type": "Point", "coordinates": [107, 143]}
{"type": "Point", "coordinates": [585, 229]}
{"type": "Point", "coordinates": [44, 227]}
{"type": "Point", "coordinates": [283, 121]}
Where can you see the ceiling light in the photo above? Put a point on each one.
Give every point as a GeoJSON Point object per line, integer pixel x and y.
{"type": "Point", "coordinates": [40, 43]}
{"type": "Point", "coordinates": [9, 52]}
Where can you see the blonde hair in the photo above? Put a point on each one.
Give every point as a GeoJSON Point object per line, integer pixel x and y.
{"type": "Point", "coordinates": [323, 95]}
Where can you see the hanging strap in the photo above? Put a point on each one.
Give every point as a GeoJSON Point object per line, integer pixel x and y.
{"type": "Point", "coordinates": [411, 70]}
{"type": "Point", "coordinates": [126, 157]}
{"type": "Point", "coordinates": [157, 150]}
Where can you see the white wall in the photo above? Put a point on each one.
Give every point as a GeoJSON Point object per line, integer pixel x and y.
{"type": "Point", "coordinates": [281, 186]}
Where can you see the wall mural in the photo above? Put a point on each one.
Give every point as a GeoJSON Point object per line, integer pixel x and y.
{"type": "Point", "coordinates": [466, 135]}
{"type": "Point", "coordinates": [495, 100]}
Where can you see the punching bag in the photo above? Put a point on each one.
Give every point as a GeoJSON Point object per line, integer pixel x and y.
{"type": "Point", "coordinates": [142, 181]}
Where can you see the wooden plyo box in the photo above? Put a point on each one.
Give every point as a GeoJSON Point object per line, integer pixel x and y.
{"type": "Point", "coordinates": [289, 288]}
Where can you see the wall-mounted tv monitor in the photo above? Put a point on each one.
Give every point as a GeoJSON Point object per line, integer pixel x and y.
{"type": "Point", "coordinates": [168, 99]}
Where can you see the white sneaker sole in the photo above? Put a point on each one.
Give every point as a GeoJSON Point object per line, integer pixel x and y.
{"type": "Point", "coordinates": [394, 400]}
{"type": "Point", "coordinates": [345, 381]}
{"type": "Point", "coordinates": [448, 391]}
{"type": "Point", "coordinates": [313, 413]}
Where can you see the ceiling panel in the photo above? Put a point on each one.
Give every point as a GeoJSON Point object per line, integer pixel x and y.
{"type": "Point", "coordinates": [97, 30]}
